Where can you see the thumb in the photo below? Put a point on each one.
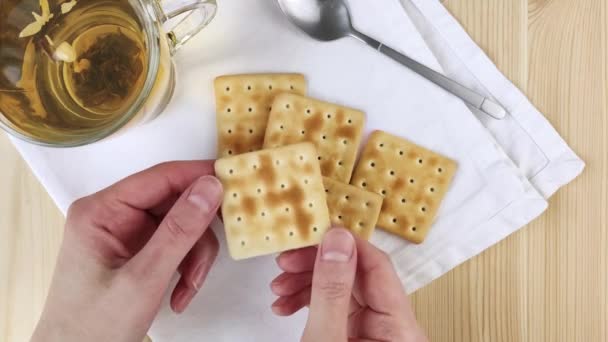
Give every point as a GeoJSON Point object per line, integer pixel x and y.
{"type": "Point", "coordinates": [332, 283]}
{"type": "Point", "coordinates": [181, 228]}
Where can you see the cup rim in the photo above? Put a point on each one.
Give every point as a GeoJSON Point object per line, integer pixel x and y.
{"type": "Point", "coordinates": [148, 16]}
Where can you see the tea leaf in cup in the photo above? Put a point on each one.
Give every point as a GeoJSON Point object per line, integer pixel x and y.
{"type": "Point", "coordinates": [46, 11]}
{"type": "Point", "coordinates": [39, 20]}
{"type": "Point", "coordinates": [49, 40]}
{"type": "Point", "coordinates": [82, 65]}
{"type": "Point", "coordinates": [107, 72]}
{"type": "Point", "coordinates": [31, 29]}
{"type": "Point", "coordinates": [65, 53]}
{"type": "Point", "coordinates": [67, 6]}
{"type": "Point", "coordinates": [38, 17]}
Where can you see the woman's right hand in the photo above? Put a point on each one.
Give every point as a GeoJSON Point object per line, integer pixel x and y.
{"type": "Point", "coordinates": [352, 289]}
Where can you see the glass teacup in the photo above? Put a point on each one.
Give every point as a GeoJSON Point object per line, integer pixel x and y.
{"type": "Point", "coordinates": [75, 71]}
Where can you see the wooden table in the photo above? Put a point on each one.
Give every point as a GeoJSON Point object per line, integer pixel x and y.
{"type": "Point", "coordinates": [547, 282]}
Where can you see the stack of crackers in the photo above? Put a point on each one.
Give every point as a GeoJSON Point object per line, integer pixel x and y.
{"type": "Point", "coordinates": [288, 164]}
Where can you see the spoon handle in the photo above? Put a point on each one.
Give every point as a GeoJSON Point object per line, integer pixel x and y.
{"type": "Point", "coordinates": [482, 103]}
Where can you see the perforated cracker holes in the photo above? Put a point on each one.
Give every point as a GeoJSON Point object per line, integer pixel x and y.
{"type": "Point", "coordinates": [274, 200]}
{"type": "Point", "coordinates": [412, 180]}
{"type": "Point", "coordinates": [335, 130]}
{"type": "Point", "coordinates": [243, 103]}
{"type": "Point", "coordinates": [352, 208]}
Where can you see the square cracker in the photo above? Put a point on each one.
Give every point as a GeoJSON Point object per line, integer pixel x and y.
{"type": "Point", "coordinates": [243, 105]}
{"type": "Point", "coordinates": [274, 200]}
{"type": "Point", "coordinates": [352, 208]}
{"type": "Point", "coordinates": [335, 130]}
{"type": "Point", "coordinates": [412, 180]}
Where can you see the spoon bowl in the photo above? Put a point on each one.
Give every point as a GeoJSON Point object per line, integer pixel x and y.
{"type": "Point", "coordinates": [328, 20]}
{"type": "Point", "coordinates": [324, 20]}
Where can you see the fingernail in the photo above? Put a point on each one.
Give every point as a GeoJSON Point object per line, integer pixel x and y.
{"type": "Point", "coordinates": [277, 306]}
{"type": "Point", "coordinates": [182, 299]}
{"type": "Point", "coordinates": [206, 193]}
{"type": "Point", "coordinates": [280, 302]}
{"type": "Point", "coordinates": [200, 274]}
{"type": "Point", "coordinates": [275, 286]}
{"type": "Point", "coordinates": [338, 245]}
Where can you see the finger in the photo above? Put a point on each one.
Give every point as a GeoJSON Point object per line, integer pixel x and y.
{"type": "Point", "coordinates": [287, 306]}
{"type": "Point", "coordinates": [136, 239]}
{"type": "Point", "coordinates": [127, 208]}
{"type": "Point", "coordinates": [178, 232]}
{"type": "Point", "coordinates": [353, 307]}
{"type": "Point", "coordinates": [298, 261]}
{"type": "Point", "coordinates": [375, 326]}
{"type": "Point", "coordinates": [205, 250]}
{"type": "Point", "coordinates": [181, 296]}
{"type": "Point", "coordinates": [367, 324]}
{"type": "Point", "coordinates": [160, 210]}
{"type": "Point", "coordinates": [128, 227]}
{"type": "Point", "coordinates": [333, 278]}
{"type": "Point", "coordinates": [288, 284]}
{"type": "Point", "coordinates": [152, 187]}
{"type": "Point", "coordinates": [378, 282]}
{"type": "Point", "coordinates": [194, 270]}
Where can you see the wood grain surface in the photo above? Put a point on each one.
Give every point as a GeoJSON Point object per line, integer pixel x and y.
{"type": "Point", "coordinates": [547, 282]}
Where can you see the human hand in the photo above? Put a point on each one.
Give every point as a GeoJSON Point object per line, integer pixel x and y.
{"type": "Point", "coordinates": [352, 289]}
{"type": "Point", "coordinates": [122, 246]}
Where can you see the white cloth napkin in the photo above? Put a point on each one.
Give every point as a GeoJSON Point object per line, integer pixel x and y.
{"type": "Point", "coordinates": [525, 135]}
{"type": "Point", "coordinates": [491, 195]}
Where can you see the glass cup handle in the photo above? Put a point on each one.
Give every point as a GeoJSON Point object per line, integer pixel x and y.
{"type": "Point", "coordinates": [196, 15]}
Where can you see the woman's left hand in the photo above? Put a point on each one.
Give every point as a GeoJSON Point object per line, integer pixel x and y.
{"type": "Point", "coordinates": [121, 248]}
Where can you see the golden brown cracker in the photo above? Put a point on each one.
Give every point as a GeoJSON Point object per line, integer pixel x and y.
{"type": "Point", "coordinates": [243, 104]}
{"type": "Point", "coordinates": [274, 200]}
{"type": "Point", "coordinates": [335, 130]}
{"type": "Point", "coordinates": [412, 180]}
{"type": "Point", "coordinates": [352, 208]}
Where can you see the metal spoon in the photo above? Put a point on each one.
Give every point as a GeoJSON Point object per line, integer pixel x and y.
{"type": "Point", "coordinates": [329, 20]}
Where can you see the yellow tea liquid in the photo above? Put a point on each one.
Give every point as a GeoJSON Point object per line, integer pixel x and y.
{"type": "Point", "coordinates": [78, 74]}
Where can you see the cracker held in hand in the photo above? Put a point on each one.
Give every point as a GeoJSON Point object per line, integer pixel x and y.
{"type": "Point", "coordinates": [274, 200]}
{"type": "Point", "coordinates": [352, 208]}
{"type": "Point", "coordinates": [335, 130]}
{"type": "Point", "coordinates": [412, 180]}
{"type": "Point", "coordinates": [243, 104]}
